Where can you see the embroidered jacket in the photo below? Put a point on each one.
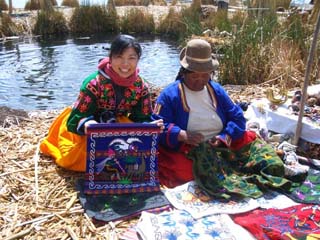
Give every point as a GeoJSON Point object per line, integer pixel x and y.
{"type": "Point", "coordinates": [172, 107]}
{"type": "Point", "coordinates": [99, 94]}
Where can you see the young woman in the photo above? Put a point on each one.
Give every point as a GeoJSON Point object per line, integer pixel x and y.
{"type": "Point", "coordinates": [115, 92]}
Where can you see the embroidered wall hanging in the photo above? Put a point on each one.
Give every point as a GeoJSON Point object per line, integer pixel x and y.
{"type": "Point", "coordinates": [122, 158]}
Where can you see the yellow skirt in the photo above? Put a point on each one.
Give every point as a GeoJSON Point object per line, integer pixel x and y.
{"type": "Point", "coordinates": [68, 149]}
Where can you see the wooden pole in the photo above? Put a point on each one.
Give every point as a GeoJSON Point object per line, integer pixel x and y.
{"type": "Point", "coordinates": [306, 81]}
{"type": "Point", "coordinates": [10, 7]}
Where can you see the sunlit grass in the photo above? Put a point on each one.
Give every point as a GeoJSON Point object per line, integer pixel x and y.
{"type": "Point", "coordinates": [132, 2]}
{"type": "Point", "coordinates": [140, 2]}
{"type": "Point", "coordinates": [255, 43]}
{"type": "Point", "coordinates": [137, 21]}
{"type": "Point", "coordinates": [218, 20]}
{"type": "Point", "coordinates": [7, 26]}
{"type": "Point", "coordinates": [50, 24]}
{"type": "Point", "coordinates": [183, 24]}
{"type": "Point", "coordinates": [70, 3]}
{"type": "Point", "coordinates": [3, 5]}
{"type": "Point", "coordinates": [245, 61]}
{"type": "Point", "coordinates": [264, 49]}
{"type": "Point", "coordinates": [39, 4]}
{"type": "Point", "coordinates": [93, 20]}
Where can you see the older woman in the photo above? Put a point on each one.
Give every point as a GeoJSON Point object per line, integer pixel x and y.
{"type": "Point", "coordinates": [200, 119]}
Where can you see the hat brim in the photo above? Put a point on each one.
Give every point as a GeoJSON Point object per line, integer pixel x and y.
{"type": "Point", "coordinates": [209, 66]}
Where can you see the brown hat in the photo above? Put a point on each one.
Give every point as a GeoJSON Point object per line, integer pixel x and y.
{"type": "Point", "coordinates": [197, 56]}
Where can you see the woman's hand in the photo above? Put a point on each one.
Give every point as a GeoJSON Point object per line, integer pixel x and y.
{"type": "Point", "coordinates": [86, 124]}
{"type": "Point", "coordinates": [215, 142]}
{"type": "Point", "coordinates": [191, 138]}
{"type": "Point", "coordinates": [159, 123]}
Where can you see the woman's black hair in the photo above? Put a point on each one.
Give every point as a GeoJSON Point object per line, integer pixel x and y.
{"type": "Point", "coordinates": [121, 42]}
{"type": "Point", "coordinates": [181, 73]}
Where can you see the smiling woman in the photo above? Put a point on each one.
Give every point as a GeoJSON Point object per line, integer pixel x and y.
{"type": "Point", "coordinates": [116, 90]}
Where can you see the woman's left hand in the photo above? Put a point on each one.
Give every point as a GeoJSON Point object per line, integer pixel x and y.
{"type": "Point", "coordinates": [215, 142]}
{"type": "Point", "coordinates": [159, 123]}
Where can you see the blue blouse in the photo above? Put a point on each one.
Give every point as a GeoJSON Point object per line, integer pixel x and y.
{"type": "Point", "coordinates": [172, 107]}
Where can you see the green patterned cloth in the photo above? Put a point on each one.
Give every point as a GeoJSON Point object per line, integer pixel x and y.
{"type": "Point", "coordinates": [245, 173]}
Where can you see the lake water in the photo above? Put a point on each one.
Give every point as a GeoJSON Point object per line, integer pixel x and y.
{"type": "Point", "coordinates": [37, 76]}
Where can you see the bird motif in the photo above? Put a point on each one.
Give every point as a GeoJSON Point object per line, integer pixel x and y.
{"type": "Point", "coordinates": [121, 144]}
{"type": "Point", "coordinates": [117, 146]}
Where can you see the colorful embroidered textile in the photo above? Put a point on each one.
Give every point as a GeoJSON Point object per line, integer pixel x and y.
{"type": "Point", "coordinates": [298, 222]}
{"type": "Point", "coordinates": [105, 207]}
{"type": "Point", "coordinates": [247, 172]}
{"type": "Point", "coordinates": [176, 169]}
{"type": "Point", "coordinates": [273, 199]}
{"type": "Point", "coordinates": [180, 225]}
{"type": "Point", "coordinates": [309, 190]}
{"type": "Point", "coordinates": [122, 158]}
{"type": "Point", "coordinates": [191, 198]}
{"type": "Point", "coordinates": [98, 95]}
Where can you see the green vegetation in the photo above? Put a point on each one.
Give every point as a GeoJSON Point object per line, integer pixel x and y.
{"type": "Point", "coordinates": [70, 3]}
{"type": "Point", "coordinates": [39, 4]}
{"type": "Point", "coordinates": [132, 2]}
{"type": "Point", "coordinates": [3, 6]}
{"type": "Point", "coordinates": [253, 46]}
{"type": "Point", "coordinates": [50, 24]}
{"type": "Point", "coordinates": [140, 2]}
{"type": "Point", "coordinates": [93, 20]}
{"type": "Point", "coordinates": [137, 21]}
{"type": "Point", "coordinates": [183, 24]}
{"type": "Point", "coordinates": [260, 45]}
{"type": "Point", "coordinates": [7, 27]}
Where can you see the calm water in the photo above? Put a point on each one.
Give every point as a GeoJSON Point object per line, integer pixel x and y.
{"type": "Point", "coordinates": [48, 76]}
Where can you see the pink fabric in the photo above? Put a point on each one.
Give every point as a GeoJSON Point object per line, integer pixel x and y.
{"type": "Point", "coordinates": [106, 66]}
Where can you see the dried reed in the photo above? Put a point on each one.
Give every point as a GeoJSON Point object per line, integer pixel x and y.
{"type": "Point", "coordinates": [38, 200]}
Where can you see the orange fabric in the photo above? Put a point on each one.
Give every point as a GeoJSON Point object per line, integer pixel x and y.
{"type": "Point", "coordinates": [123, 119]}
{"type": "Point", "coordinates": [67, 149]}
{"type": "Point", "coordinates": [174, 168]}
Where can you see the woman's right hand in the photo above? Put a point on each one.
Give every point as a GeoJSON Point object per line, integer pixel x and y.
{"type": "Point", "coordinates": [191, 138]}
{"type": "Point", "coordinates": [86, 124]}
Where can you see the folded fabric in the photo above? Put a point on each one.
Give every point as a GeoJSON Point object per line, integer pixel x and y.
{"type": "Point", "coordinates": [297, 222]}
{"type": "Point", "coordinates": [180, 225]}
{"type": "Point", "coordinates": [191, 198]}
{"type": "Point", "coordinates": [106, 207]}
{"type": "Point", "coordinates": [247, 172]}
{"type": "Point", "coordinates": [309, 190]}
